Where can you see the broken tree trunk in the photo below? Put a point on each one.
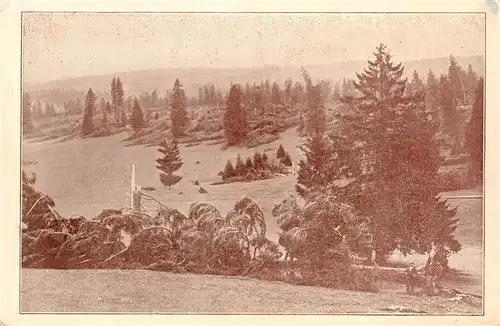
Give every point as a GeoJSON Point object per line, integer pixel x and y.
{"type": "Point", "coordinates": [135, 193]}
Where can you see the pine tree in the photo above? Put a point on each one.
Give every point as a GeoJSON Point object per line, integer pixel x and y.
{"type": "Point", "coordinates": [281, 152]}
{"type": "Point", "coordinates": [287, 160]}
{"type": "Point", "coordinates": [470, 84]}
{"type": "Point", "coordinates": [257, 161]}
{"type": "Point", "coordinates": [119, 99]}
{"type": "Point", "coordinates": [431, 91]}
{"type": "Point", "coordinates": [169, 163]}
{"type": "Point", "coordinates": [200, 96]}
{"type": "Point", "coordinates": [323, 162]}
{"type": "Point", "coordinates": [275, 94]}
{"type": "Point", "coordinates": [137, 118]}
{"type": "Point", "coordinates": [114, 99]}
{"type": "Point", "coordinates": [235, 117]}
{"type": "Point", "coordinates": [228, 171]}
{"type": "Point", "coordinates": [456, 82]}
{"type": "Point", "coordinates": [315, 112]}
{"type": "Point", "coordinates": [240, 168]}
{"type": "Point", "coordinates": [102, 104]}
{"type": "Point", "coordinates": [449, 112]}
{"type": "Point", "coordinates": [154, 99]}
{"type": "Point", "coordinates": [475, 134]}
{"type": "Point", "coordinates": [288, 91]}
{"type": "Point", "coordinates": [416, 85]}
{"type": "Point", "coordinates": [27, 114]}
{"type": "Point", "coordinates": [90, 104]}
{"type": "Point", "coordinates": [264, 159]}
{"type": "Point", "coordinates": [178, 115]}
{"type": "Point", "coordinates": [397, 185]}
{"type": "Point", "coordinates": [248, 164]}
{"type": "Point", "coordinates": [123, 118]}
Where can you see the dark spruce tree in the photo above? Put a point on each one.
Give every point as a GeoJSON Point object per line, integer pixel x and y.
{"type": "Point", "coordinates": [315, 122]}
{"type": "Point", "coordinates": [475, 134]}
{"type": "Point", "coordinates": [235, 117]}
{"type": "Point", "coordinates": [229, 171]}
{"type": "Point", "coordinates": [90, 104]}
{"type": "Point", "coordinates": [169, 163]}
{"type": "Point", "coordinates": [137, 117]}
{"type": "Point", "coordinates": [114, 100]}
{"type": "Point", "coordinates": [257, 161]}
{"type": "Point", "coordinates": [178, 114]}
{"type": "Point", "coordinates": [240, 167]}
{"type": "Point", "coordinates": [281, 152]}
{"type": "Point", "coordinates": [397, 160]}
{"type": "Point", "coordinates": [249, 164]}
{"type": "Point", "coordinates": [431, 91]}
{"type": "Point", "coordinates": [119, 101]}
{"type": "Point", "coordinates": [324, 162]}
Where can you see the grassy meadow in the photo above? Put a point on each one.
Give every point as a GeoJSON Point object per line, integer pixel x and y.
{"type": "Point", "coordinates": [84, 176]}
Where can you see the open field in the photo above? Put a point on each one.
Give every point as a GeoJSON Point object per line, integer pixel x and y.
{"type": "Point", "coordinates": [86, 176]}
{"type": "Point", "coordinates": [157, 292]}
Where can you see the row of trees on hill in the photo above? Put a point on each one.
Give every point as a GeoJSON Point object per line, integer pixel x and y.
{"type": "Point", "coordinates": [387, 146]}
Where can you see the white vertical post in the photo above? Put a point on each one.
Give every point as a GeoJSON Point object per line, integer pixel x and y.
{"type": "Point", "coordinates": [132, 187]}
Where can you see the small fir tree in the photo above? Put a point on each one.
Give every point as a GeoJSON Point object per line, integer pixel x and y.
{"type": "Point", "coordinates": [281, 152]}
{"type": "Point", "coordinates": [287, 160]}
{"type": "Point", "coordinates": [248, 164]}
{"type": "Point", "coordinates": [169, 163]}
{"type": "Point", "coordinates": [240, 166]}
{"type": "Point", "coordinates": [229, 171]}
{"type": "Point", "coordinates": [257, 161]}
{"type": "Point", "coordinates": [136, 119]}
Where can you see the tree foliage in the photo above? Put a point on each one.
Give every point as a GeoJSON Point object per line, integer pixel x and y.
{"type": "Point", "coordinates": [137, 117]}
{"type": "Point", "coordinates": [235, 117]}
{"type": "Point", "coordinates": [178, 114]}
{"type": "Point", "coordinates": [475, 134]}
{"type": "Point", "coordinates": [396, 160]}
{"type": "Point", "coordinates": [169, 163]}
{"type": "Point", "coordinates": [90, 105]}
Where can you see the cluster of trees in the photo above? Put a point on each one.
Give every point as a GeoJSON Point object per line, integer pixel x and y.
{"type": "Point", "coordinates": [388, 149]}
{"type": "Point", "coordinates": [242, 168]}
{"type": "Point", "coordinates": [34, 110]}
{"type": "Point", "coordinates": [208, 95]}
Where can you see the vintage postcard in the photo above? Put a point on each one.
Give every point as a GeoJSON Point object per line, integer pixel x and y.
{"type": "Point", "coordinates": [299, 164]}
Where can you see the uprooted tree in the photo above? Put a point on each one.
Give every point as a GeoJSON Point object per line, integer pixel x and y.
{"type": "Point", "coordinates": [169, 163]}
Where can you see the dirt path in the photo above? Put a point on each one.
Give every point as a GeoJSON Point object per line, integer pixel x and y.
{"type": "Point", "coordinates": [147, 291]}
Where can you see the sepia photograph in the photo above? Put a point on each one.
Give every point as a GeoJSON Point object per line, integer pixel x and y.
{"type": "Point", "coordinates": [252, 163]}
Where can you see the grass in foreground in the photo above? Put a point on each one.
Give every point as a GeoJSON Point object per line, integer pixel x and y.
{"type": "Point", "coordinates": [157, 292]}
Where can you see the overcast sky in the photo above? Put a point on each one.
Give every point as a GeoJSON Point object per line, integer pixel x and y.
{"type": "Point", "coordinates": [70, 45]}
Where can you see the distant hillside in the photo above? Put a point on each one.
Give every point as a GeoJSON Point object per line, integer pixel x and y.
{"type": "Point", "coordinates": [137, 82]}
